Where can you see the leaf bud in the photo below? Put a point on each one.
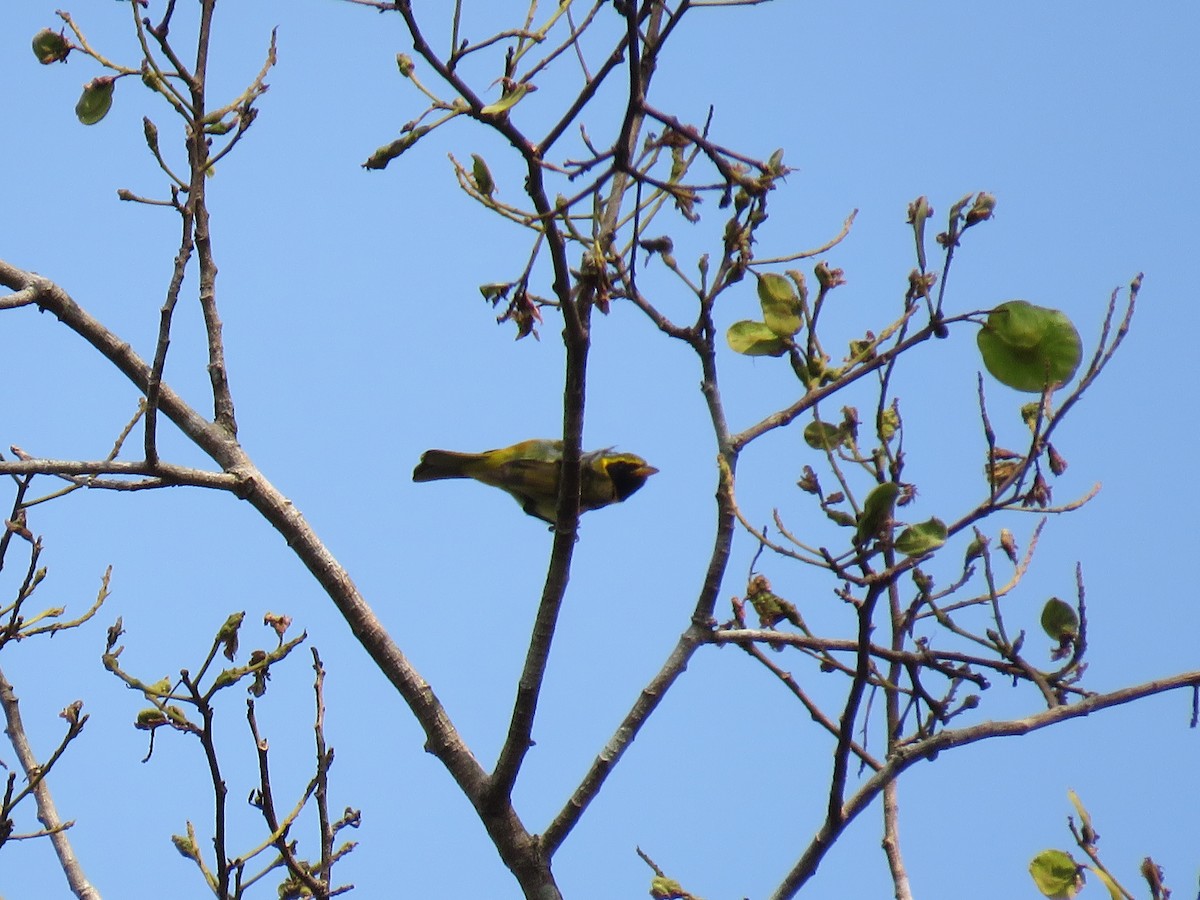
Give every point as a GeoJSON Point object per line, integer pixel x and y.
{"type": "Point", "coordinates": [981, 210]}
{"type": "Point", "coordinates": [1009, 545]}
{"type": "Point", "coordinates": [1058, 464]}
{"type": "Point", "coordinates": [827, 277]}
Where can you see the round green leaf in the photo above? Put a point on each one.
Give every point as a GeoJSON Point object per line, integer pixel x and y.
{"type": "Point", "coordinates": [822, 435]}
{"type": "Point", "coordinates": [1059, 619]}
{"type": "Point", "coordinates": [922, 538]}
{"type": "Point", "coordinates": [780, 305]}
{"type": "Point", "coordinates": [96, 100]}
{"type": "Point", "coordinates": [1027, 347]}
{"type": "Point", "coordinates": [1055, 874]}
{"type": "Point", "coordinates": [50, 47]}
{"type": "Point", "coordinates": [755, 339]}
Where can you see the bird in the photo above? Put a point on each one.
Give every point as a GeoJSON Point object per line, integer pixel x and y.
{"type": "Point", "coordinates": [529, 471]}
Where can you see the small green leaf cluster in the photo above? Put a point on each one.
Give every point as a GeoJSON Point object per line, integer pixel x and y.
{"type": "Point", "coordinates": [1058, 876]}
{"type": "Point", "coordinates": [166, 695]}
{"type": "Point", "coordinates": [782, 309]}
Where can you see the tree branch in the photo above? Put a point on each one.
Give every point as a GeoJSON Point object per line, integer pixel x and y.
{"type": "Point", "coordinates": [54, 826]}
{"type": "Point", "coordinates": [953, 738]}
{"type": "Point", "coordinates": [443, 739]}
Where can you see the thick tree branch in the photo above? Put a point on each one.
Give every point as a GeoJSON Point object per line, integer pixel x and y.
{"type": "Point", "coordinates": [443, 739]}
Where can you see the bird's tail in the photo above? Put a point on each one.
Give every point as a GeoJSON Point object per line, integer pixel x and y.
{"type": "Point", "coordinates": [438, 464]}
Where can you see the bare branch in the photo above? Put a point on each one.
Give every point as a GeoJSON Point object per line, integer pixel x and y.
{"type": "Point", "coordinates": [52, 824]}
{"type": "Point", "coordinates": [950, 739]}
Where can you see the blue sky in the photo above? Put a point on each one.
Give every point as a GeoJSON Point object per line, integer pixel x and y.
{"type": "Point", "coordinates": [356, 339]}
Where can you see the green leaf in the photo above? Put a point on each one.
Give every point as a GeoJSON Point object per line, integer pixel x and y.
{"type": "Point", "coordinates": [1059, 619]}
{"type": "Point", "coordinates": [922, 538]}
{"type": "Point", "coordinates": [771, 608]}
{"type": "Point", "coordinates": [821, 435]}
{"type": "Point", "coordinates": [755, 339]}
{"type": "Point", "coordinates": [151, 718]}
{"type": "Point", "coordinates": [918, 212]}
{"type": "Point", "coordinates": [780, 305]}
{"type": "Point", "coordinates": [1055, 874]}
{"type": "Point", "coordinates": [889, 424]}
{"type": "Point", "coordinates": [840, 517]}
{"type": "Point", "coordinates": [50, 47]}
{"type": "Point", "coordinates": [495, 291]}
{"type": "Point", "coordinates": [1084, 818]}
{"type": "Point", "coordinates": [664, 888]}
{"type": "Point", "coordinates": [185, 846]}
{"type": "Point", "coordinates": [96, 100]}
{"type": "Point", "coordinates": [507, 102]}
{"type": "Point", "coordinates": [482, 175]}
{"type": "Point", "coordinates": [228, 635]}
{"type": "Point", "coordinates": [877, 510]}
{"type": "Point", "coordinates": [1027, 347]}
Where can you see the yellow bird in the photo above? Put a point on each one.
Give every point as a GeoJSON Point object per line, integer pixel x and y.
{"type": "Point", "coordinates": [529, 471]}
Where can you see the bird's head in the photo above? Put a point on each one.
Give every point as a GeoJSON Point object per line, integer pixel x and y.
{"type": "Point", "coordinates": [627, 471]}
